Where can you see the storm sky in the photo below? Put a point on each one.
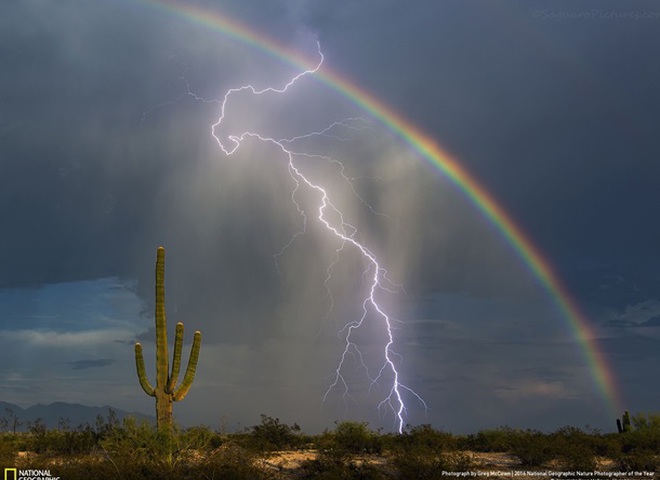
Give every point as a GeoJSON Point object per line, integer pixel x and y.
{"type": "Point", "coordinates": [106, 153]}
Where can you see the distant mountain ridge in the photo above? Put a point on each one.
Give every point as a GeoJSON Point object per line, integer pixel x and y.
{"type": "Point", "coordinates": [59, 413]}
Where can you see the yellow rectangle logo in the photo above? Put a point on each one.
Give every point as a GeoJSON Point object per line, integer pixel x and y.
{"type": "Point", "coordinates": [10, 474]}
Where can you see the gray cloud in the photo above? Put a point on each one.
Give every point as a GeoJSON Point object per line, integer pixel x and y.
{"type": "Point", "coordinates": [651, 322]}
{"type": "Point", "coordinates": [85, 364]}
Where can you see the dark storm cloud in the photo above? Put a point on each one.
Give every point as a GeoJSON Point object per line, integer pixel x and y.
{"type": "Point", "coordinates": [534, 107]}
{"type": "Point", "coordinates": [60, 203]}
{"type": "Point", "coordinates": [85, 364]}
{"type": "Point", "coordinates": [632, 347]}
{"type": "Point", "coordinates": [651, 322]}
{"type": "Point", "coordinates": [91, 183]}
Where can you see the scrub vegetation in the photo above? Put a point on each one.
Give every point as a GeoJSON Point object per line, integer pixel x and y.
{"type": "Point", "coordinates": [351, 450]}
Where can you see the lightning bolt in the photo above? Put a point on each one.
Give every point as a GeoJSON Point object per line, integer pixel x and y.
{"type": "Point", "coordinates": [333, 220]}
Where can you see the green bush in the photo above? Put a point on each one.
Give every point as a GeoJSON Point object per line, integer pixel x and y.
{"type": "Point", "coordinates": [498, 440]}
{"type": "Point", "coordinates": [412, 464]}
{"type": "Point", "coordinates": [643, 460]}
{"type": "Point", "coordinates": [424, 438]}
{"type": "Point", "coordinates": [272, 435]}
{"type": "Point", "coordinates": [228, 463]}
{"type": "Point", "coordinates": [574, 448]}
{"type": "Point", "coordinates": [8, 448]}
{"type": "Point", "coordinates": [646, 421]}
{"type": "Point", "coordinates": [580, 459]}
{"type": "Point", "coordinates": [352, 438]}
{"type": "Point", "coordinates": [65, 441]}
{"type": "Point", "coordinates": [607, 445]}
{"type": "Point", "coordinates": [135, 442]}
{"type": "Point", "coordinates": [330, 467]}
{"type": "Point", "coordinates": [532, 448]}
{"type": "Point", "coordinates": [199, 438]}
{"type": "Point", "coordinates": [643, 439]}
{"type": "Point", "coordinates": [61, 441]}
{"type": "Point", "coordinates": [459, 461]}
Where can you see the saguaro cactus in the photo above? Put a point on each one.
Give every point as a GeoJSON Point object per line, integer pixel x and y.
{"type": "Point", "coordinates": [166, 390]}
{"type": "Point", "coordinates": [625, 425]}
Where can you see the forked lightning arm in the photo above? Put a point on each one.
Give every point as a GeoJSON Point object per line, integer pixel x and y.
{"type": "Point", "coordinates": [343, 231]}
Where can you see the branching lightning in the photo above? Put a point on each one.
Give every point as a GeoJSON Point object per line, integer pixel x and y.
{"type": "Point", "coordinates": [333, 221]}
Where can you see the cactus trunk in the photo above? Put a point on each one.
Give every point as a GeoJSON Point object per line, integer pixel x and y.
{"type": "Point", "coordinates": [164, 420]}
{"type": "Point", "coordinates": [165, 391]}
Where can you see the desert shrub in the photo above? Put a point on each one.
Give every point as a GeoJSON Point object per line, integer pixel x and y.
{"type": "Point", "coordinates": [272, 435]}
{"type": "Point", "coordinates": [38, 442]}
{"type": "Point", "coordinates": [229, 462]}
{"type": "Point", "coordinates": [411, 465]}
{"type": "Point", "coordinates": [574, 448]}
{"type": "Point", "coordinates": [200, 438]}
{"type": "Point", "coordinates": [639, 445]}
{"type": "Point", "coordinates": [642, 439]}
{"type": "Point", "coordinates": [422, 463]}
{"type": "Point", "coordinates": [104, 426]}
{"type": "Point", "coordinates": [646, 421]}
{"type": "Point", "coordinates": [135, 442]}
{"type": "Point", "coordinates": [459, 461]}
{"type": "Point", "coordinates": [532, 448]}
{"type": "Point", "coordinates": [8, 448]}
{"type": "Point", "coordinates": [493, 440]}
{"type": "Point", "coordinates": [104, 469]}
{"type": "Point", "coordinates": [424, 438]}
{"type": "Point", "coordinates": [580, 458]}
{"type": "Point", "coordinates": [330, 467]}
{"type": "Point", "coordinates": [643, 460]}
{"type": "Point", "coordinates": [62, 441]}
{"type": "Point", "coordinates": [351, 438]}
{"type": "Point", "coordinates": [607, 445]}
{"type": "Point", "coordinates": [66, 441]}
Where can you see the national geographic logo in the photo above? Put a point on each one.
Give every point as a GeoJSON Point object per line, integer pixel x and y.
{"type": "Point", "coordinates": [16, 474]}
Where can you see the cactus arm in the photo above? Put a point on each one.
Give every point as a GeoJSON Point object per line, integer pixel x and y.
{"type": "Point", "coordinates": [176, 363]}
{"type": "Point", "coordinates": [162, 360]}
{"type": "Point", "coordinates": [142, 375]}
{"type": "Point", "coordinates": [182, 391]}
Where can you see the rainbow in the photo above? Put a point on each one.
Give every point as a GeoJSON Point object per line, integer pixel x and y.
{"type": "Point", "coordinates": [428, 149]}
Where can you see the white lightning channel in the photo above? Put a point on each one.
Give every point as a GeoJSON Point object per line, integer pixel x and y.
{"type": "Point", "coordinates": [345, 232]}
